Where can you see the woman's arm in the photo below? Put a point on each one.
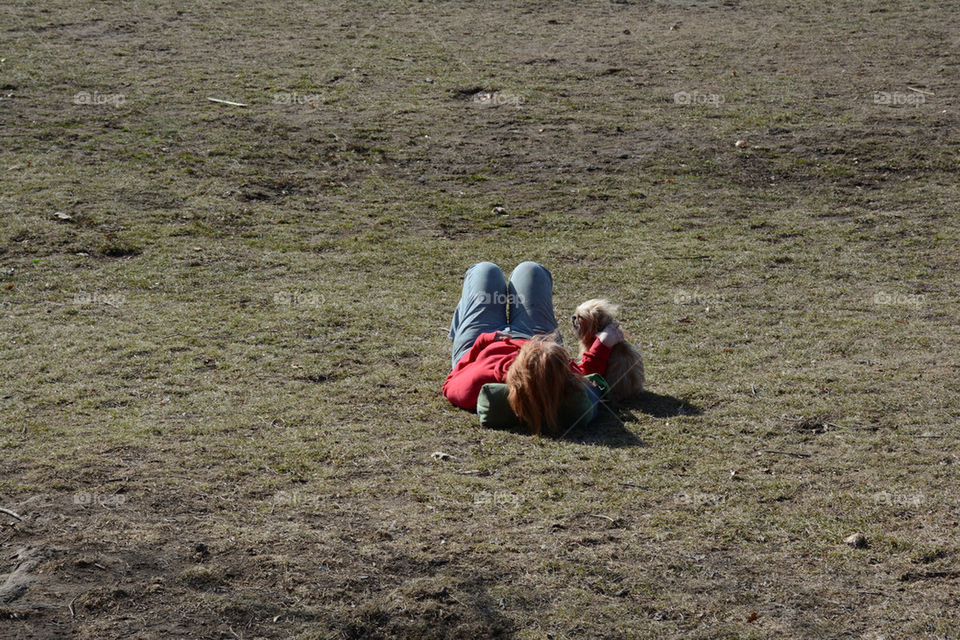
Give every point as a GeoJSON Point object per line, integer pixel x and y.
{"type": "Point", "coordinates": [594, 359]}
{"type": "Point", "coordinates": [462, 388]}
{"type": "Point", "coordinates": [463, 384]}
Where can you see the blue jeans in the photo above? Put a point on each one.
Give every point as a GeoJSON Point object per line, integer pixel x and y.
{"type": "Point", "coordinates": [522, 307]}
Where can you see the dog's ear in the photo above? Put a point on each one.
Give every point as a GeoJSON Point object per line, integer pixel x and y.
{"type": "Point", "coordinates": [576, 322]}
{"type": "Point", "coordinates": [606, 312]}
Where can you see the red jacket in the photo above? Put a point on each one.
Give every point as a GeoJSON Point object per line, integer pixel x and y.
{"type": "Point", "coordinates": [488, 361]}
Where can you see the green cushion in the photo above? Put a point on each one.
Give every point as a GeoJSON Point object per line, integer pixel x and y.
{"type": "Point", "coordinates": [494, 409]}
{"type": "Point", "coordinates": [578, 409]}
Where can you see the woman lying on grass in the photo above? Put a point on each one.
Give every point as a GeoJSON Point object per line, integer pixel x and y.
{"type": "Point", "coordinates": [507, 332]}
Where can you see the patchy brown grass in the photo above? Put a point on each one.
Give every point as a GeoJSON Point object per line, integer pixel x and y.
{"type": "Point", "coordinates": [220, 381]}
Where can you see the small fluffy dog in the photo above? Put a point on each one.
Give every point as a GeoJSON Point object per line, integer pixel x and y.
{"type": "Point", "coordinates": [625, 366]}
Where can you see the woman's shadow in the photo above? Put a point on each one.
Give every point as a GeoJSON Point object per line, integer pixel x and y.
{"type": "Point", "coordinates": [609, 428]}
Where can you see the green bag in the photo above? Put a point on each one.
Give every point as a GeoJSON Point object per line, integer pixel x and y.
{"type": "Point", "coordinates": [577, 409]}
{"type": "Point", "coordinates": [602, 385]}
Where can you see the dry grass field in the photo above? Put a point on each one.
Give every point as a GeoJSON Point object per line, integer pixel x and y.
{"type": "Point", "coordinates": [224, 327]}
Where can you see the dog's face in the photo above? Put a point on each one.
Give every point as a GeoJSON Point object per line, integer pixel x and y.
{"type": "Point", "coordinates": [591, 317]}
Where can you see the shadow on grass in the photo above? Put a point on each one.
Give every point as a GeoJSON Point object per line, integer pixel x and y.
{"type": "Point", "coordinates": [659, 406]}
{"type": "Point", "coordinates": [609, 428]}
{"type": "Point", "coordinates": [606, 430]}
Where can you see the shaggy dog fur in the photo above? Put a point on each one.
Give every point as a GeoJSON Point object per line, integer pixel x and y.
{"type": "Point", "coordinates": [625, 366]}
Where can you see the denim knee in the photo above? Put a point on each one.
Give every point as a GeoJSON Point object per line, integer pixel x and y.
{"type": "Point", "coordinates": [534, 267]}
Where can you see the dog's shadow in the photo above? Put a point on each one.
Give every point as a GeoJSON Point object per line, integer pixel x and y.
{"type": "Point", "coordinates": [609, 428]}
{"type": "Point", "coordinates": [659, 406]}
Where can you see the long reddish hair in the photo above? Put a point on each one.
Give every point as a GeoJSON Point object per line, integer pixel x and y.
{"type": "Point", "coordinates": [539, 379]}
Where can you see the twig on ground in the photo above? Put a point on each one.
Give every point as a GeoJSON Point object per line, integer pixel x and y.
{"type": "Point", "coordinates": [699, 257]}
{"type": "Point", "coordinates": [631, 484]}
{"type": "Point", "coordinates": [600, 515]}
{"type": "Point", "coordinates": [232, 104]}
{"type": "Point", "coordinates": [11, 514]}
{"type": "Point", "coordinates": [926, 93]}
{"type": "Point", "coordinates": [73, 614]}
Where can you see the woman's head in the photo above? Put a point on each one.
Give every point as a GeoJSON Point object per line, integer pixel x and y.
{"type": "Point", "coordinates": [539, 379]}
